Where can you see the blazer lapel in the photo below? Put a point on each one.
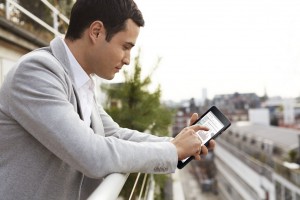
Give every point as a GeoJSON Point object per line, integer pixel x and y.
{"type": "Point", "coordinates": [60, 53]}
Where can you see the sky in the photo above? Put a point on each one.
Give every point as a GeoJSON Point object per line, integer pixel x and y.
{"type": "Point", "coordinates": [224, 46]}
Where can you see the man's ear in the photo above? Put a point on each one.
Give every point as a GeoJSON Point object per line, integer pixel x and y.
{"type": "Point", "coordinates": [97, 30]}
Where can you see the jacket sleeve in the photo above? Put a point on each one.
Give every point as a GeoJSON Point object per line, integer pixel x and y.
{"type": "Point", "coordinates": [111, 128]}
{"type": "Point", "coordinates": [39, 102]}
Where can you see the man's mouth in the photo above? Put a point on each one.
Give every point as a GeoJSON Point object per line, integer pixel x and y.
{"type": "Point", "coordinates": [118, 68]}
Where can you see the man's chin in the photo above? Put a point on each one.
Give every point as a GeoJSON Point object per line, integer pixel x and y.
{"type": "Point", "coordinates": [107, 77]}
{"type": "Point", "coordinates": [112, 77]}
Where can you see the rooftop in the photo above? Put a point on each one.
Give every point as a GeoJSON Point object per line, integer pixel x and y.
{"type": "Point", "coordinates": [284, 138]}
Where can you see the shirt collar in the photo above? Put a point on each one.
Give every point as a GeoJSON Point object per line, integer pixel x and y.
{"type": "Point", "coordinates": [80, 76]}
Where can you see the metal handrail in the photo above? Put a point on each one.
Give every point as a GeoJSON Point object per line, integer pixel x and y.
{"type": "Point", "coordinates": [110, 187]}
{"type": "Point", "coordinates": [55, 11]}
{"type": "Point", "coordinates": [54, 29]}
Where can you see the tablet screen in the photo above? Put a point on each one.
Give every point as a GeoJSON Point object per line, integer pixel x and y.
{"type": "Point", "coordinates": [211, 122]}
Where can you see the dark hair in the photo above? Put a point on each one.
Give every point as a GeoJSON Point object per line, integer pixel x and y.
{"type": "Point", "coordinates": [112, 13]}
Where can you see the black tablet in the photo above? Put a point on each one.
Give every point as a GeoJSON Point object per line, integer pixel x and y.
{"type": "Point", "coordinates": [213, 119]}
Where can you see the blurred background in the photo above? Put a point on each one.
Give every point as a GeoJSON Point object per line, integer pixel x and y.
{"type": "Point", "coordinates": [242, 56]}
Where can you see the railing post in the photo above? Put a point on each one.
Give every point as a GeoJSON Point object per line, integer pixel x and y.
{"type": "Point", "coordinates": [150, 192]}
{"type": "Point", "coordinates": [56, 11]}
{"type": "Point", "coordinates": [55, 20]}
{"type": "Point", "coordinates": [7, 12]}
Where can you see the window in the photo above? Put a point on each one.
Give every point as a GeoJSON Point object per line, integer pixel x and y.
{"type": "Point", "coordinates": [253, 141]}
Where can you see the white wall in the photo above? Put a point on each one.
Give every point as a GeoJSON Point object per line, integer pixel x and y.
{"type": "Point", "coordinates": [9, 55]}
{"type": "Point", "coordinates": [259, 116]}
{"type": "Point", "coordinates": [5, 66]}
{"type": "Point", "coordinates": [289, 111]}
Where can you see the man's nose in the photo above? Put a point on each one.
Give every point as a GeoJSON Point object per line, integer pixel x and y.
{"type": "Point", "coordinates": [126, 59]}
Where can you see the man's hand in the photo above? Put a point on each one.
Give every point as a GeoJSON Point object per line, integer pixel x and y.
{"type": "Point", "coordinates": [212, 143]}
{"type": "Point", "coordinates": [188, 143]}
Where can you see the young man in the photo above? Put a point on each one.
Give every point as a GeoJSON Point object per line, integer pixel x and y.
{"type": "Point", "coordinates": [55, 141]}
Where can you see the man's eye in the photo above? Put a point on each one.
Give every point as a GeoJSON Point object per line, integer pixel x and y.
{"type": "Point", "coordinates": [126, 47]}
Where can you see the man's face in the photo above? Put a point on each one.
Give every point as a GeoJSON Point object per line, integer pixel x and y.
{"type": "Point", "coordinates": [107, 58]}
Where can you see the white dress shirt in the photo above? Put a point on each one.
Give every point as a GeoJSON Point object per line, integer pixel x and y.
{"type": "Point", "coordinates": [84, 85]}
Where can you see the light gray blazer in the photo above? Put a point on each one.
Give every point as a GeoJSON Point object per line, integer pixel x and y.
{"type": "Point", "coordinates": [47, 151]}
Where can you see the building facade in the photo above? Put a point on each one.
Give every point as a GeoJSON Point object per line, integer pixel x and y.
{"type": "Point", "coordinates": [258, 162]}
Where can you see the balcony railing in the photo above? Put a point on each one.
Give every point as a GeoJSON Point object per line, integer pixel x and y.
{"type": "Point", "coordinates": [45, 27]}
{"type": "Point", "coordinates": [263, 168]}
{"type": "Point", "coordinates": [11, 5]}
{"type": "Point", "coordinates": [110, 188]}
{"type": "Point", "coordinates": [112, 185]}
{"type": "Point", "coordinates": [252, 163]}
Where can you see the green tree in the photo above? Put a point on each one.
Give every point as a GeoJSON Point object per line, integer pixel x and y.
{"type": "Point", "coordinates": [139, 109]}
{"type": "Point", "coordinates": [132, 106]}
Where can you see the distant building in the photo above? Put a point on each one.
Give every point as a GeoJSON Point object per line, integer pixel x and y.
{"type": "Point", "coordinates": [254, 161]}
{"type": "Point", "coordinates": [258, 162]}
{"type": "Point", "coordinates": [284, 112]}
{"type": "Point", "coordinates": [236, 105]}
